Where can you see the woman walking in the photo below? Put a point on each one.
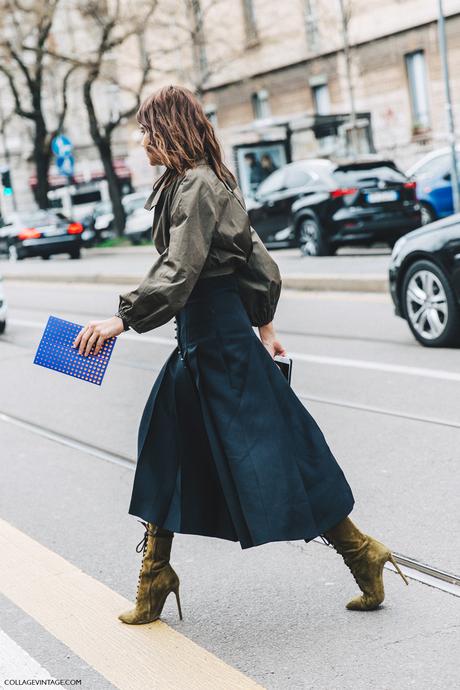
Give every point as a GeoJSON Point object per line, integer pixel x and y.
{"type": "Point", "coordinates": [225, 447]}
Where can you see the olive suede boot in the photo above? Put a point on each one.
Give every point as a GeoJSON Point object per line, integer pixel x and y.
{"type": "Point", "coordinates": [157, 578]}
{"type": "Point", "coordinates": [365, 557]}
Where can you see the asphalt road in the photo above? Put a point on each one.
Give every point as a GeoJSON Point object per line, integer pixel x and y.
{"type": "Point", "coordinates": [389, 410]}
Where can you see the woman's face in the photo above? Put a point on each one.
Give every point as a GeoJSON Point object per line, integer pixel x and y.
{"type": "Point", "coordinates": [149, 148]}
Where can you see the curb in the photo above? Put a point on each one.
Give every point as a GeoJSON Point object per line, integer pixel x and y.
{"type": "Point", "coordinates": [337, 283]}
{"type": "Point", "coordinates": [322, 282]}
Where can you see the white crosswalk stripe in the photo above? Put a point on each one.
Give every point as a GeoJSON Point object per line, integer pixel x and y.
{"type": "Point", "coordinates": [17, 664]}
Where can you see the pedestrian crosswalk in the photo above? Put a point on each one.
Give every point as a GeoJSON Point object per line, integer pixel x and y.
{"type": "Point", "coordinates": [82, 613]}
{"type": "Point", "coordinates": [17, 664]}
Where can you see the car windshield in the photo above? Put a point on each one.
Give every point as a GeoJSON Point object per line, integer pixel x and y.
{"type": "Point", "coordinates": [361, 175]}
{"type": "Point", "coordinates": [435, 167]}
{"type": "Point", "coordinates": [133, 204]}
{"type": "Point", "coordinates": [34, 220]}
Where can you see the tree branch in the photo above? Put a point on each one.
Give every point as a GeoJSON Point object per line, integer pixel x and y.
{"type": "Point", "coordinates": [18, 107]}
{"type": "Point", "coordinates": [64, 97]}
{"type": "Point", "coordinates": [110, 126]}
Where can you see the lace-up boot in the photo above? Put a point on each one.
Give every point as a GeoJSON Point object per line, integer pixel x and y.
{"type": "Point", "coordinates": [157, 578]}
{"type": "Point", "coordinates": [365, 557]}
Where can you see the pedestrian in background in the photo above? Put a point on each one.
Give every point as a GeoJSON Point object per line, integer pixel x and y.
{"type": "Point", "coordinates": [225, 447]}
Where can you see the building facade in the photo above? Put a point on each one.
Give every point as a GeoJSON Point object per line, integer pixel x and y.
{"type": "Point", "coordinates": [286, 79]}
{"type": "Point", "coordinates": [274, 79]}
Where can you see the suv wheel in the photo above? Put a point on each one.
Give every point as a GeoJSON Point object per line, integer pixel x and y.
{"type": "Point", "coordinates": [429, 305]}
{"type": "Point", "coordinates": [311, 238]}
{"type": "Point", "coordinates": [427, 214]}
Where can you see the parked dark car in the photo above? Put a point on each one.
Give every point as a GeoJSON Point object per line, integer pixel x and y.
{"type": "Point", "coordinates": [99, 223]}
{"type": "Point", "coordinates": [424, 277]}
{"type": "Point", "coordinates": [42, 233]}
{"type": "Point", "coordinates": [319, 205]}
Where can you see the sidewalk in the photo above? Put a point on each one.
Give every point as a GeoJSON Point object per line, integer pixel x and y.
{"type": "Point", "coordinates": [363, 270]}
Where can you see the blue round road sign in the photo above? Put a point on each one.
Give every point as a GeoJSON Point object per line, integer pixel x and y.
{"type": "Point", "coordinates": [65, 164]}
{"type": "Point", "coordinates": [61, 145]}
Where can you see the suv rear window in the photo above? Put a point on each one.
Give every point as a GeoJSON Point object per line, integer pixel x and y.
{"type": "Point", "coordinates": [347, 176]}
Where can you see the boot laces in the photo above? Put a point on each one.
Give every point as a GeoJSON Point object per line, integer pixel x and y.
{"type": "Point", "coordinates": [345, 558]}
{"type": "Point", "coordinates": [143, 547]}
{"type": "Point", "coordinates": [351, 559]}
{"type": "Point", "coordinates": [143, 542]}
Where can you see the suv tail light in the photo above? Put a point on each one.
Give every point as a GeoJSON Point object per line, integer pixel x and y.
{"type": "Point", "coordinates": [29, 233]}
{"type": "Point", "coordinates": [74, 228]}
{"type": "Point", "coordinates": [412, 187]}
{"type": "Point", "coordinates": [338, 193]}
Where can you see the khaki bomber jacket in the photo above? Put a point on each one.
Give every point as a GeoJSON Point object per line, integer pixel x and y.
{"type": "Point", "coordinates": [201, 228]}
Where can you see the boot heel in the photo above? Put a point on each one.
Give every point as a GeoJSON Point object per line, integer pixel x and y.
{"type": "Point", "coordinates": [390, 558]}
{"type": "Point", "coordinates": [176, 592]}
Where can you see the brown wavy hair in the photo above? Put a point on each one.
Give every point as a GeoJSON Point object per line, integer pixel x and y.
{"type": "Point", "coordinates": [181, 133]}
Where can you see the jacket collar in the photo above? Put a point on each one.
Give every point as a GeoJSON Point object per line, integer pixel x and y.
{"type": "Point", "coordinates": [155, 194]}
{"type": "Point", "coordinates": [159, 185]}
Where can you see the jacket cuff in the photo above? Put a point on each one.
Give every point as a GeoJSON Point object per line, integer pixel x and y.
{"type": "Point", "coordinates": [126, 325]}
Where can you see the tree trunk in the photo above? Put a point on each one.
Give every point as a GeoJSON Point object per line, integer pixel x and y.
{"type": "Point", "coordinates": [42, 159]}
{"type": "Point", "coordinates": [104, 146]}
{"type": "Point", "coordinates": [105, 153]}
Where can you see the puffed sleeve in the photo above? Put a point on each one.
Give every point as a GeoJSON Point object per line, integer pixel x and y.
{"type": "Point", "coordinates": [259, 283]}
{"type": "Point", "coordinates": [170, 280]}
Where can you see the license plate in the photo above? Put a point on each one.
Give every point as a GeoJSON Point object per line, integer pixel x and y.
{"type": "Point", "coordinates": [378, 197]}
{"type": "Point", "coordinates": [51, 231]}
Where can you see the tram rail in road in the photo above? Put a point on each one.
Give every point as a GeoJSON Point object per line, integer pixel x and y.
{"type": "Point", "coordinates": [414, 569]}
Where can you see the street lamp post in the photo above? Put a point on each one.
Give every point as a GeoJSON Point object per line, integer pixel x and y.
{"type": "Point", "coordinates": [450, 114]}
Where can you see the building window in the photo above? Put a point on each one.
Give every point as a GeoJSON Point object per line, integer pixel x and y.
{"type": "Point", "coordinates": [250, 25]}
{"type": "Point", "coordinates": [418, 90]}
{"type": "Point", "coordinates": [260, 104]}
{"type": "Point", "coordinates": [211, 113]}
{"type": "Point", "coordinates": [311, 24]}
{"type": "Point", "coordinates": [321, 99]}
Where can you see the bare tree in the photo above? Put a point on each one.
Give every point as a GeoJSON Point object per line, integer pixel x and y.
{"type": "Point", "coordinates": [113, 28]}
{"type": "Point", "coordinates": [26, 27]}
{"type": "Point", "coordinates": [196, 27]}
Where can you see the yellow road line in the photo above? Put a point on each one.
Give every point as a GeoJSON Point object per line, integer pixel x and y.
{"type": "Point", "coordinates": [82, 613]}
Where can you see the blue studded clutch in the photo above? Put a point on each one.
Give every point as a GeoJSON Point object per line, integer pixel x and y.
{"type": "Point", "coordinates": [55, 351]}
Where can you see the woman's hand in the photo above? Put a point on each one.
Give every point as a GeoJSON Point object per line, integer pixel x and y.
{"type": "Point", "coordinates": [96, 332]}
{"type": "Point", "coordinates": [270, 341]}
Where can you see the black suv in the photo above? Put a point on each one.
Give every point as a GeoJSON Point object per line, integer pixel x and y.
{"type": "Point", "coordinates": [319, 205]}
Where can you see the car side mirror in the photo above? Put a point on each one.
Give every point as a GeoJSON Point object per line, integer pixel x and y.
{"type": "Point", "coordinates": [446, 177]}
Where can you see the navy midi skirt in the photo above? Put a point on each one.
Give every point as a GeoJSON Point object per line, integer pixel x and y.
{"type": "Point", "coordinates": [225, 447]}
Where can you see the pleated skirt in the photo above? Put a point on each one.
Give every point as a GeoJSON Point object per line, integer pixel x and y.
{"type": "Point", "coordinates": [225, 447]}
